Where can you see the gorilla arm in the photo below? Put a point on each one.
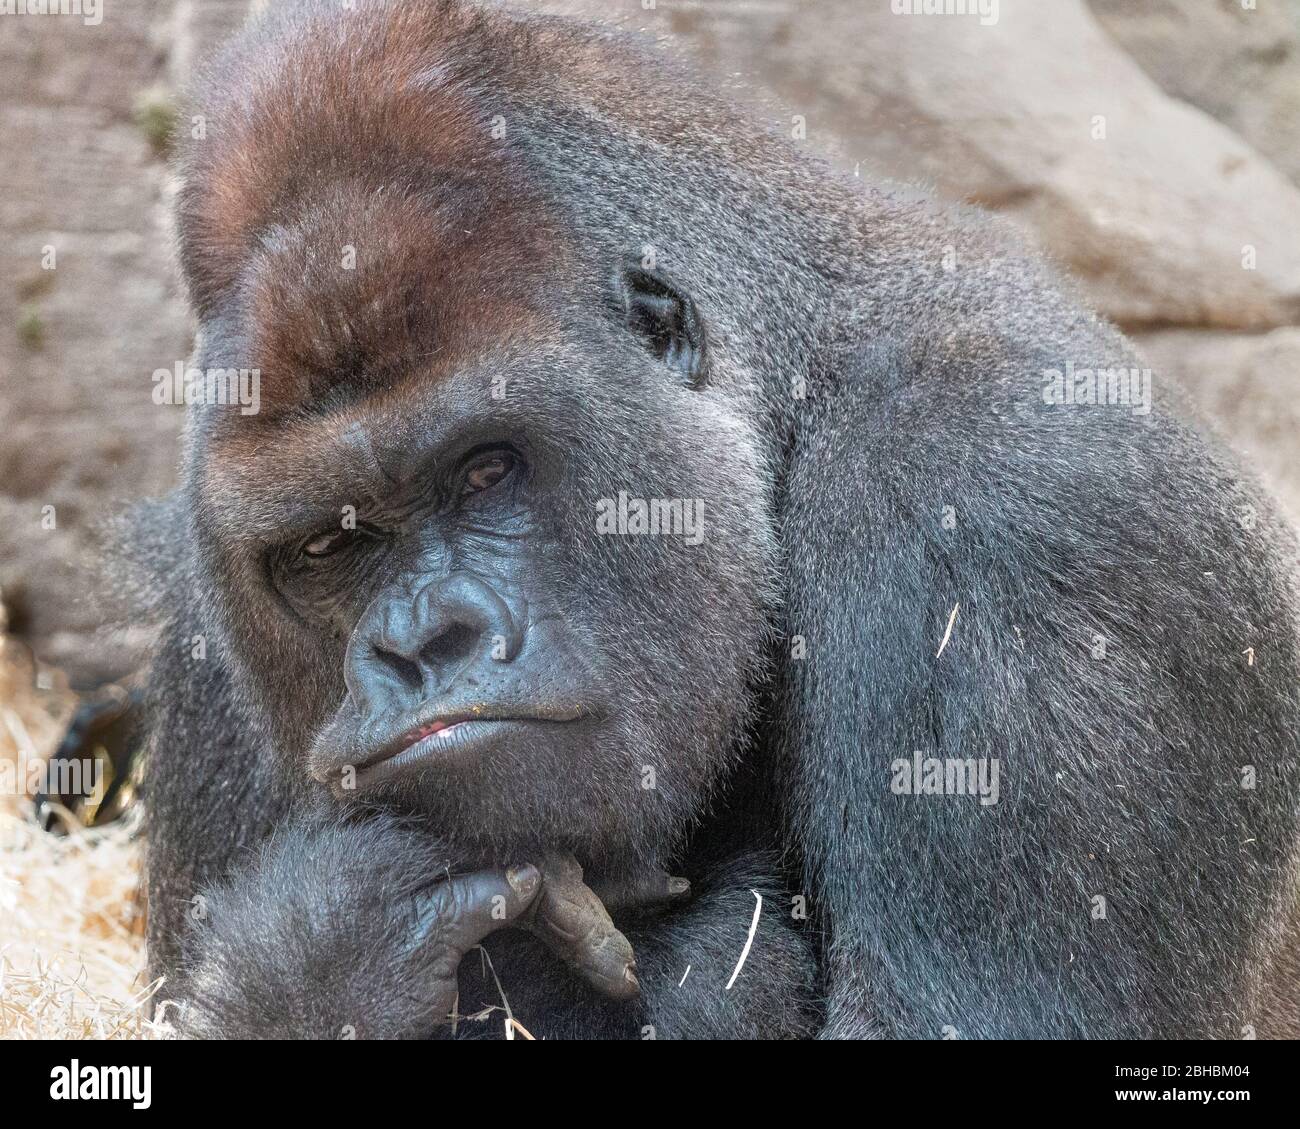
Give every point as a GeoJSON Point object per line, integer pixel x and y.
{"type": "Point", "coordinates": [358, 929]}
{"type": "Point", "coordinates": [337, 931]}
{"type": "Point", "coordinates": [729, 966]}
{"type": "Point", "coordinates": [1123, 883]}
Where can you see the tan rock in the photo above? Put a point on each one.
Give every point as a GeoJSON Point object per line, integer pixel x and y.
{"type": "Point", "coordinates": [1237, 63]}
{"type": "Point", "coordinates": [1247, 384]}
{"type": "Point", "coordinates": [79, 343]}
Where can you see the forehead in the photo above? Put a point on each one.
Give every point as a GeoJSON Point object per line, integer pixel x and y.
{"type": "Point", "coordinates": [354, 288]}
{"type": "Point", "coordinates": [357, 210]}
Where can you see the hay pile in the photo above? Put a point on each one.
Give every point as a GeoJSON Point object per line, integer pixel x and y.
{"type": "Point", "coordinates": [71, 920]}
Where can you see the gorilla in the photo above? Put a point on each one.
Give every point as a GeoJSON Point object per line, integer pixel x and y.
{"type": "Point", "coordinates": [667, 589]}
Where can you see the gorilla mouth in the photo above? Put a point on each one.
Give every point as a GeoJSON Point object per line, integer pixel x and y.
{"type": "Point", "coordinates": [428, 730]}
{"type": "Point", "coordinates": [448, 738]}
{"type": "Point", "coordinates": [443, 740]}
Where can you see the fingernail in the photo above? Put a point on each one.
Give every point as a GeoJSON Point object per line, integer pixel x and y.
{"type": "Point", "coordinates": [678, 885]}
{"type": "Point", "coordinates": [523, 879]}
{"type": "Point", "coordinates": [629, 974]}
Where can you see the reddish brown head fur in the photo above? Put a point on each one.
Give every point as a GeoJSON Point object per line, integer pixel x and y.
{"type": "Point", "coordinates": [351, 204]}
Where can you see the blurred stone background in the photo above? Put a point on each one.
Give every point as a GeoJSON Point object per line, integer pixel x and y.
{"type": "Point", "coordinates": [1151, 147]}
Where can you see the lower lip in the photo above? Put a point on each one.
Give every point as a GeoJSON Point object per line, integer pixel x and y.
{"type": "Point", "coordinates": [465, 738]}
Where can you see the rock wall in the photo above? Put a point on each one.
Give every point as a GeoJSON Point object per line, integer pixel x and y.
{"type": "Point", "coordinates": [1152, 147]}
{"type": "Point", "coordinates": [92, 306]}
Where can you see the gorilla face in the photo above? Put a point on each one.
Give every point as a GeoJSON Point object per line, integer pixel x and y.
{"type": "Point", "coordinates": [489, 600]}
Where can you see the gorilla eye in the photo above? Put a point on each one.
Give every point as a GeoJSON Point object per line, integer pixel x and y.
{"type": "Point", "coordinates": [487, 472]}
{"type": "Point", "coordinates": [329, 541]}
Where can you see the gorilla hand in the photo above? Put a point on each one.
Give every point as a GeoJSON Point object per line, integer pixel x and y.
{"type": "Point", "coordinates": [573, 919]}
{"type": "Point", "coordinates": [567, 915]}
{"type": "Point", "coordinates": [455, 917]}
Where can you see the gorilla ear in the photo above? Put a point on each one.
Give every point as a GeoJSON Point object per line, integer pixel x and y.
{"type": "Point", "coordinates": [666, 318]}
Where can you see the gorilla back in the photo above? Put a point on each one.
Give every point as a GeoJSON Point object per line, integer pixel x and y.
{"type": "Point", "coordinates": [512, 281]}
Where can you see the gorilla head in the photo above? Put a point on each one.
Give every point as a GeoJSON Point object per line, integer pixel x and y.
{"type": "Point", "coordinates": [497, 511]}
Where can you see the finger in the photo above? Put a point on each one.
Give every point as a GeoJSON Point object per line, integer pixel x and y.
{"type": "Point", "coordinates": [654, 889]}
{"type": "Point", "coordinates": [459, 913]}
{"type": "Point", "coordinates": [576, 926]}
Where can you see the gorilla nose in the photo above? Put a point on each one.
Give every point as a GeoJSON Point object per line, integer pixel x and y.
{"type": "Point", "coordinates": [414, 645]}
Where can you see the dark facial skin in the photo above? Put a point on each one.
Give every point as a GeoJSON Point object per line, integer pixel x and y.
{"type": "Point", "coordinates": [459, 652]}
{"type": "Point", "coordinates": [455, 658]}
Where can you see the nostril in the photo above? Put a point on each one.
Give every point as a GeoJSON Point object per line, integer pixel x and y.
{"type": "Point", "coordinates": [407, 671]}
{"type": "Point", "coordinates": [455, 643]}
